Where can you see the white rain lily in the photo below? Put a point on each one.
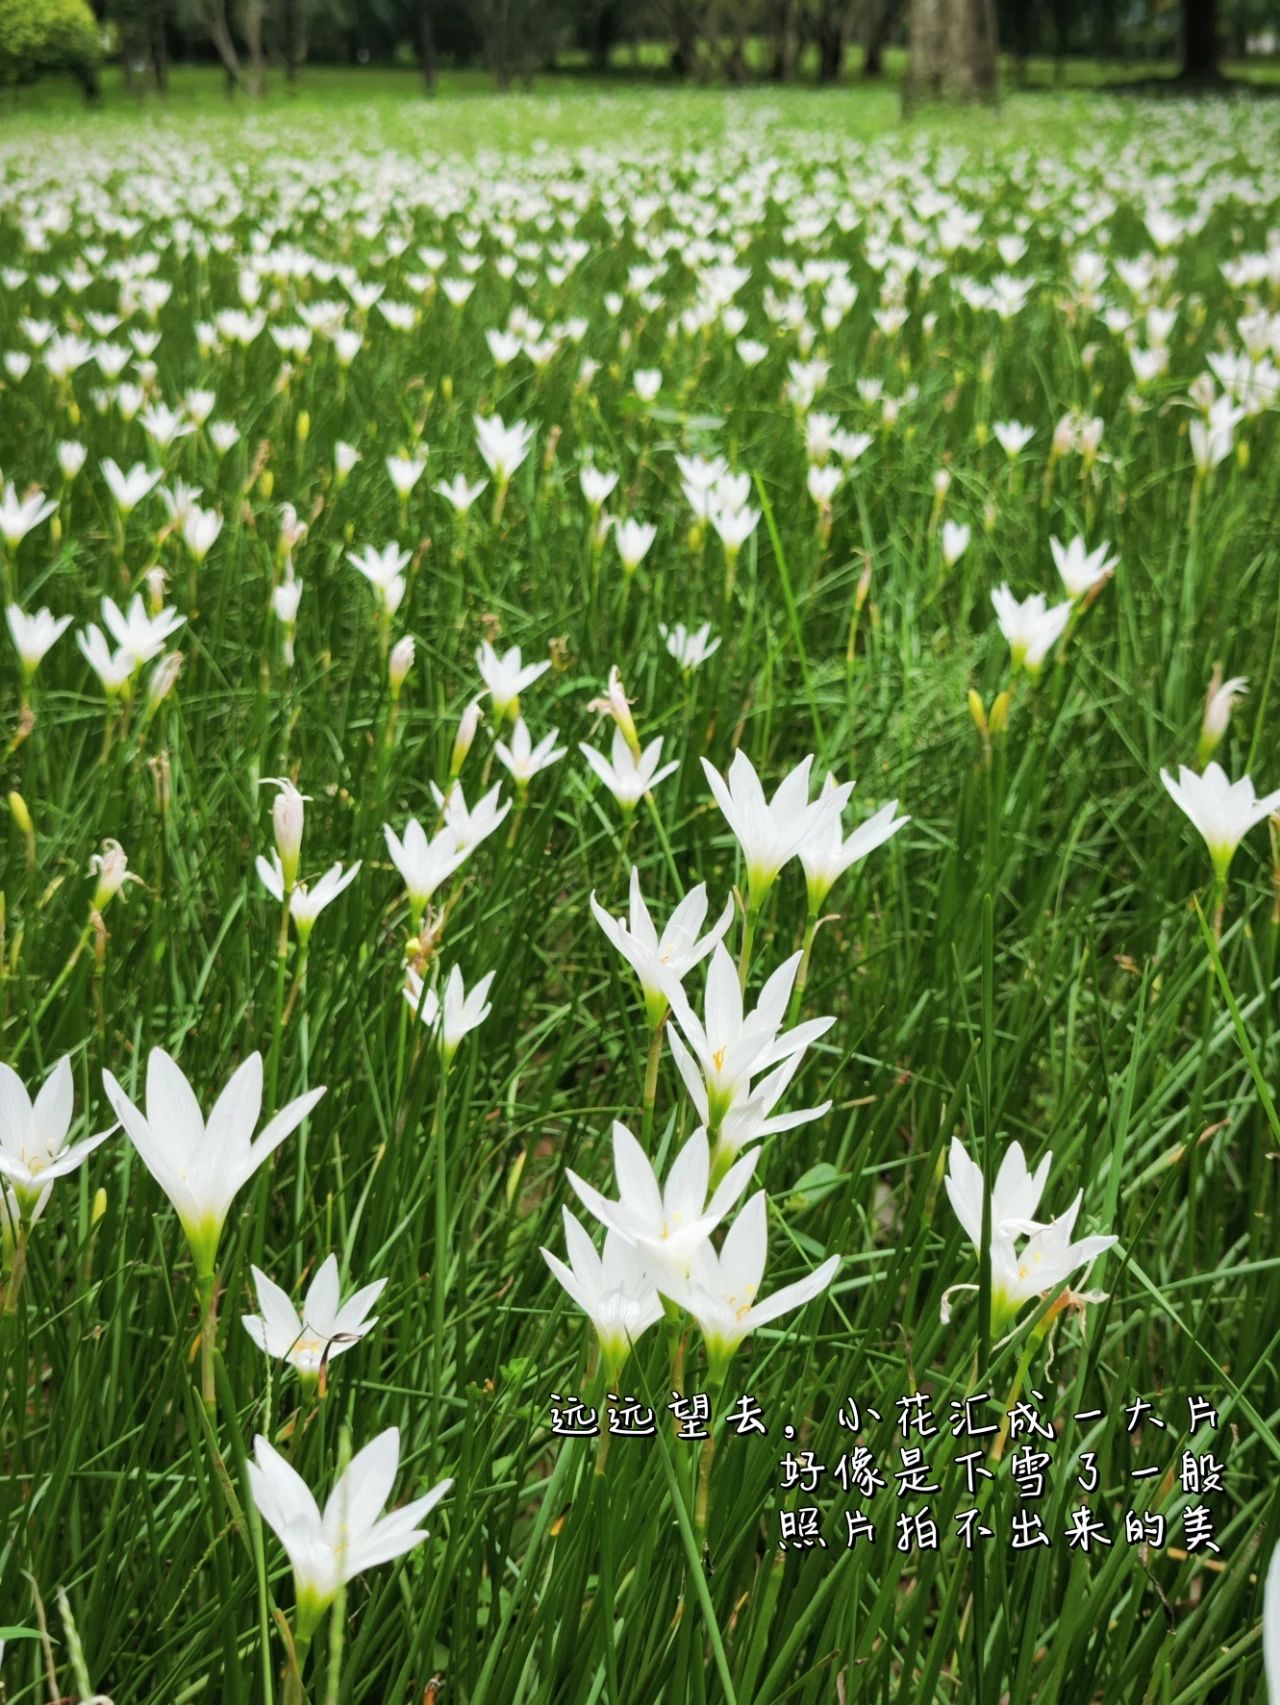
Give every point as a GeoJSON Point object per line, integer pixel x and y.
{"type": "Point", "coordinates": [633, 539]}
{"type": "Point", "coordinates": [200, 530]}
{"type": "Point", "coordinates": [627, 776]}
{"type": "Point", "coordinates": [423, 864]}
{"type": "Point", "coordinates": [1031, 627]}
{"type": "Point", "coordinates": [114, 669]}
{"type": "Point", "coordinates": [404, 473]}
{"type": "Point", "coordinates": [19, 516]}
{"type": "Point", "coordinates": [323, 1329]}
{"type": "Point", "coordinates": [1081, 569]}
{"type": "Point", "coordinates": [459, 494]}
{"type": "Point", "coordinates": [1049, 1256]}
{"type": "Point", "coordinates": [129, 489]}
{"type": "Point", "coordinates": [34, 635]}
{"type": "Point", "coordinates": [665, 1224]}
{"type": "Point", "coordinates": [655, 958]}
{"type": "Point", "coordinates": [751, 1120]}
{"type": "Point", "coordinates": [721, 1290]}
{"type": "Point", "coordinates": [33, 1137]}
{"type": "Point", "coordinates": [503, 447]}
{"type": "Point", "coordinates": [288, 818]}
{"type": "Point", "coordinates": [201, 1167]}
{"type": "Point", "coordinates": [473, 824]}
{"type": "Point", "coordinates": [955, 541]}
{"type": "Point", "coordinates": [825, 854]}
{"type": "Point", "coordinates": [1013, 437]}
{"type": "Point", "coordinates": [596, 486]}
{"type": "Point", "coordinates": [506, 677]}
{"type": "Point", "coordinates": [690, 650]}
{"type": "Point", "coordinates": [457, 1015]}
{"type": "Point", "coordinates": [725, 1049]}
{"type": "Point", "coordinates": [1222, 810]}
{"type": "Point", "coordinates": [384, 571]}
{"type": "Point", "coordinates": [306, 901]}
{"type": "Point", "coordinates": [1218, 703]}
{"type": "Point", "coordinates": [612, 1289]}
{"type": "Point", "coordinates": [138, 633]}
{"type": "Point", "coordinates": [522, 758]}
{"type": "Point", "coordinates": [770, 832]}
{"type": "Point", "coordinates": [327, 1549]}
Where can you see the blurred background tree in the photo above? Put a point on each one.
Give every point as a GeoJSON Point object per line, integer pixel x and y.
{"type": "Point", "coordinates": [940, 47]}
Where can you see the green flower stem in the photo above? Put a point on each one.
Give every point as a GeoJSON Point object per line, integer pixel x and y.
{"type": "Point", "coordinates": [652, 1063]}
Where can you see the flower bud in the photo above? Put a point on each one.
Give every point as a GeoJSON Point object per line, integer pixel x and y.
{"type": "Point", "coordinates": [616, 704]}
{"type": "Point", "coordinates": [163, 679]}
{"type": "Point", "coordinates": [400, 663]}
{"type": "Point", "coordinates": [302, 426]}
{"type": "Point", "coordinates": [1000, 712]}
{"type": "Point", "coordinates": [111, 867]}
{"type": "Point", "coordinates": [1217, 712]}
{"type": "Point", "coordinates": [463, 738]}
{"type": "Point", "coordinates": [977, 711]}
{"type": "Point", "coordinates": [287, 816]}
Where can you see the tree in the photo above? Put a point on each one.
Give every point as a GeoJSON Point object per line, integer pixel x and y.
{"type": "Point", "coordinates": [952, 50]}
{"type": "Point", "coordinates": [1201, 45]}
{"type": "Point", "coordinates": [37, 36]}
{"type": "Point", "coordinates": [881, 17]}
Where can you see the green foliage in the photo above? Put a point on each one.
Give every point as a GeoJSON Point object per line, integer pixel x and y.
{"type": "Point", "coordinates": [38, 36]}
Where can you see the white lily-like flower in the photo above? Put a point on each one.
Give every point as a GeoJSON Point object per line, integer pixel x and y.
{"type": "Point", "coordinates": [139, 634]}
{"type": "Point", "coordinates": [721, 1052]}
{"type": "Point", "coordinates": [627, 776]}
{"type": "Point", "coordinates": [288, 819]}
{"type": "Point", "coordinates": [1047, 1259]}
{"type": "Point", "coordinates": [612, 1289]}
{"type": "Point", "coordinates": [129, 488]}
{"type": "Point", "coordinates": [506, 677]}
{"type": "Point", "coordinates": [1031, 627]}
{"type": "Point", "coordinates": [329, 1548]}
{"type": "Point", "coordinates": [596, 486]}
{"type": "Point", "coordinates": [33, 1137]}
{"type": "Point", "coordinates": [1012, 436]}
{"type": "Point", "coordinates": [503, 447]}
{"type": "Point", "coordinates": [384, 571]}
{"type": "Point", "coordinates": [114, 669]}
{"type": "Point", "coordinates": [457, 1015]}
{"type": "Point", "coordinates": [955, 541]}
{"type": "Point", "coordinates": [770, 832]}
{"type": "Point", "coordinates": [1080, 568]}
{"type": "Point", "coordinates": [1218, 704]}
{"type": "Point", "coordinates": [522, 758]}
{"type": "Point", "coordinates": [19, 516]}
{"type": "Point", "coordinates": [325, 1327]}
{"type": "Point", "coordinates": [655, 958]}
{"type": "Point", "coordinates": [721, 1290]}
{"type": "Point", "coordinates": [1222, 810]}
{"type": "Point", "coordinates": [471, 824]}
{"type": "Point", "coordinates": [424, 864]}
{"type": "Point", "coordinates": [201, 1167]}
{"type": "Point", "coordinates": [306, 902]}
{"type": "Point", "coordinates": [825, 854]}
{"type": "Point", "coordinates": [751, 1120]}
{"type": "Point", "coordinates": [34, 635]}
{"type": "Point", "coordinates": [690, 650]}
{"type": "Point", "coordinates": [459, 494]}
{"type": "Point", "coordinates": [633, 539]}
{"type": "Point", "coordinates": [665, 1224]}
{"type": "Point", "coordinates": [404, 473]}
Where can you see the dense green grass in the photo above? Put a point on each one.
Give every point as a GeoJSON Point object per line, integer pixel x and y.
{"type": "Point", "coordinates": [1033, 957]}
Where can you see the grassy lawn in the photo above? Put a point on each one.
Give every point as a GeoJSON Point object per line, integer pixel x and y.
{"type": "Point", "coordinates": [853, 394]}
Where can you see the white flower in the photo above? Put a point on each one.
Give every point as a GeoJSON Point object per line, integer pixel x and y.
{"type": "Point", "coordinates": [424, 864]}
{"type": "Point", "coordinates": [351, 1535]}
{"type": "Point", "coordinates": [306, 902]}
{"type": "Point", "coordinates": [1222, 810]}
{"type": "Point", "coordinates": [457, 1015]}
{"type": "Point", "coordinates": [522, 758]}
{"type": "Point", "coordinates": [140, 635]}
{"type": "Point", "coordinates": [1047, 1259]}
{"type": "Point", "coordinates": [459, 494]}
{"type": "Point", "coordinates": [665, 1224]}
{"type": "Point", "coordinates": [503, 447]}
{"type": "Point", "coordinates": [113, 669]}
{"type": "Point", "coordinates": [633, 539]}
{"type": "Point", "coordinates": [506, 677]}
{"type": "Point", "coordinates": [405, 472]}
{"type": "Point", "coordinates": [721, 1290]}
{"type": "Point", "coordinates": [1081, 569]}
{"type": "Point", "coordinates": [33, 635]}
{"type": "Point", "coordinates": [33, 1136]}
{"type": "Point", "coordinates": [648, 382]}
{"type": "Point", "coordinates": [201, 1167]}
{"type": "Point", "coordinates": [690, 650]}
{"type": "Point", "coordinates": [613, 1290]}
{"type": "Point", "coordinates": [130, 488]}
{"type": "Point", "coordinates": [1013, 436]}
{"type": "Point", "coordinates": [383, 570]}
{"type": "Point", "coordinates": [826, 855]}
{"type": "Point", "coordinates": [770, 832]}
{"type": "Point", "coordinates": [1221, 697]}
{"type": "Point", "coordinates": [288, 816]}
{"type": "Point", "coordinates": [1031, 627]}
{"type": "Point", "coordinates": [727, 1047]}
{"type": "Point", "coordinates": [18, 516]}
{"type": "Point", "coordinates": [111, 867]}
{"type": "Point", "coordinates": [955, 541]}
{"type": "Point", "coordinates": [324, 1329]}
{"type": "Point", "coordinates": [627, 777]}
{"type": "Point", "coordinates": [471, 826]}
{"type": "Point", "coordinates": [596, 486]}
{"type": "Point", "coordinates": [200, 529]}
{"type": "Point", "coordinates": [656, 958]}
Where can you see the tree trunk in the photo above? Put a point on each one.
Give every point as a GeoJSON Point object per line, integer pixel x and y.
{"type": "Point", "coordinates": [215, 19]}
{"type": "Point", "coordinates": [1200, 45]}
{"type": "Point", "coordinates": [952, 50]}
{"type": "Point", "coordinates": [882, 15]}
{"type": "Point", "coordinates": [427, 46]}
{"type": "Point", "coordinates": [251, 21]}
{"type": "Point", "coordinates": [831, 33]}
{"type": "Point", "coordinates": [783, 68]}
{"type": "Point", "coordinates": [159, 47]}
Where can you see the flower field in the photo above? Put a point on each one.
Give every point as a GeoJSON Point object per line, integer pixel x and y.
{"type": "Point", "coordinates": [638, 952]}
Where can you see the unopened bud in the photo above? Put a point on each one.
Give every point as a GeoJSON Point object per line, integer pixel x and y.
{"type": "Point", "coordinates": [977, 710]}
{"type": "Point", "coordinates": [463, 738]}
{"type": "Point", "coordinates": [302, 426]}
{"type": "Point", "coordinates": [111, 867]}
{"type": "Point", "coordinates": [400, 663]}
{"type": "Point", "coordinates": [287, 817]}
{"type": "Point", "coordinates": [99, 1209]}
{"type": "Point", "coordinates": [1000, 712]}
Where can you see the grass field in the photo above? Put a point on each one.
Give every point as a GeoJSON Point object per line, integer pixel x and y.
{"type": "Point", "coordinates": [851, 394]}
